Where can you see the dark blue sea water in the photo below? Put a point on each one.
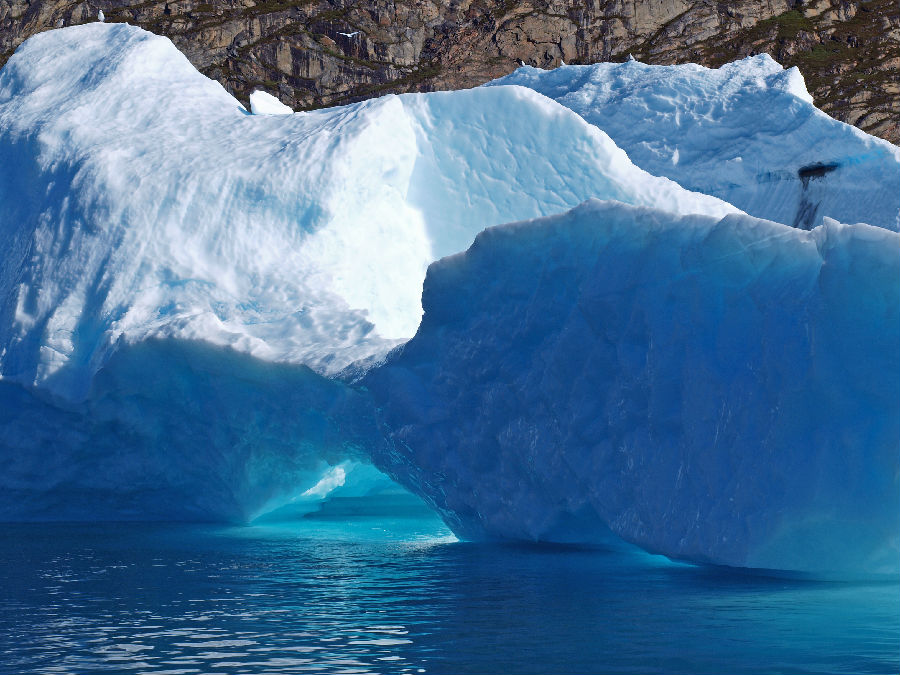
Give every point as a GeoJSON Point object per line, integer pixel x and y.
{"type": "Point", "coordinates": [400, 595]}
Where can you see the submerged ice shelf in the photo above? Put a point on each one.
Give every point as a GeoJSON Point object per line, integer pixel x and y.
{"type": "Point", "coordinates": [198, 308]}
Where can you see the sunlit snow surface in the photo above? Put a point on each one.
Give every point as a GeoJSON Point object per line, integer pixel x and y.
{"type": "Point", "coordinates": [191, 297]}
{"type": "Point", "coordinates": [262, 103]}
{"type": "Point", "coordinates": [140, 199]}
{"type": "Point", "coordinates": [747, 132]}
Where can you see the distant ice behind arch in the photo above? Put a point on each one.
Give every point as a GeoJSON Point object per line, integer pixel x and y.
{"type": "Point", "coordinates": [747, 132]}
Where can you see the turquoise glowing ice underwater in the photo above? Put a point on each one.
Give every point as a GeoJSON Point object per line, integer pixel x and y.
{"type": "Point", "coordinates": [392, 594]}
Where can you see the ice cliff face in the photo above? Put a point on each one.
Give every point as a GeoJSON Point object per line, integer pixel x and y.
{"type": "Point", "coordinates": [720, 390]}
{"type": "Point", "coordinates": [197, 304]}
{"type": "Point", "coordinates": [746, 132]}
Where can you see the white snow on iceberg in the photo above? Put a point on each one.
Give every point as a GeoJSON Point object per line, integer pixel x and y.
{"type": "Point", "coordinates": [714, 390]}
{"type": "Point", "coordinates": [262, 103]}
{"type": "Point", "coordinates": [747, 132]}
{"type": "Point", "coordinates": [137, 198]}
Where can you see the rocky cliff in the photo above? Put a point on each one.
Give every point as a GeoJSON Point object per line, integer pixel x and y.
{"type": "Point", "coordinates": [314, 53]}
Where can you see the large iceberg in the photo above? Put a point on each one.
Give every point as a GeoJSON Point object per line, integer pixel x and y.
{"type": "Point", "coordinates": [747, 132]}
{"type": "Point", "coordinates": [723, 390]}
{"type": "Point", "coordinates": [146, 216]}
{"type": "Point", "coordinates": [204, 314]}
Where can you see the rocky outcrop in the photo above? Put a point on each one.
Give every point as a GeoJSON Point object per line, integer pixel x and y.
{"type": "Point", "coordinates": [314, 53]}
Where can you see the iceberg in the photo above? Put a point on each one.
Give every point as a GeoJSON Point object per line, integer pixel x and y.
{"type": "Point", "coordinates": [717, 390]}
{"type": "Point", "coordinates": [146, 216]}
{"type": "Point", "coordinates": [747, 132]}
{"type": "Point", "coordinates": [212, 314]}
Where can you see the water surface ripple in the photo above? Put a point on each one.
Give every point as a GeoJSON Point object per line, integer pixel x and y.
{"type": "Point", "coordinates": [402, 596]}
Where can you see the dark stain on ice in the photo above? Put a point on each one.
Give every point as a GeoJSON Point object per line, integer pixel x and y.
{"type": "Point", "coordinates": [809, 206]}
{"type": "Point", "coordinates": [806, 173]}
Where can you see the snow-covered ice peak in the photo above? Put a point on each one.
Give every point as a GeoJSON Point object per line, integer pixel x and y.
{"type": "Point", "coordinates": [262, 103]}
{"type": "Point", "coordinates": [747, 132]}
{"type": "Point", "coordinates": [139, 199]}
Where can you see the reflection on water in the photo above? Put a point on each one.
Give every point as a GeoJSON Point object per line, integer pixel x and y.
{"type": "Point", "coordinates": [400, 595]}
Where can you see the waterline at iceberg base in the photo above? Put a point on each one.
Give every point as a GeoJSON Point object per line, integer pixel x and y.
{"type": "Point", "coordinates": [455, 386]}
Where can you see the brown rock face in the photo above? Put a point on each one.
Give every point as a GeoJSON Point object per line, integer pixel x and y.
{"type": "Point", "coordinates": [314, 53]}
